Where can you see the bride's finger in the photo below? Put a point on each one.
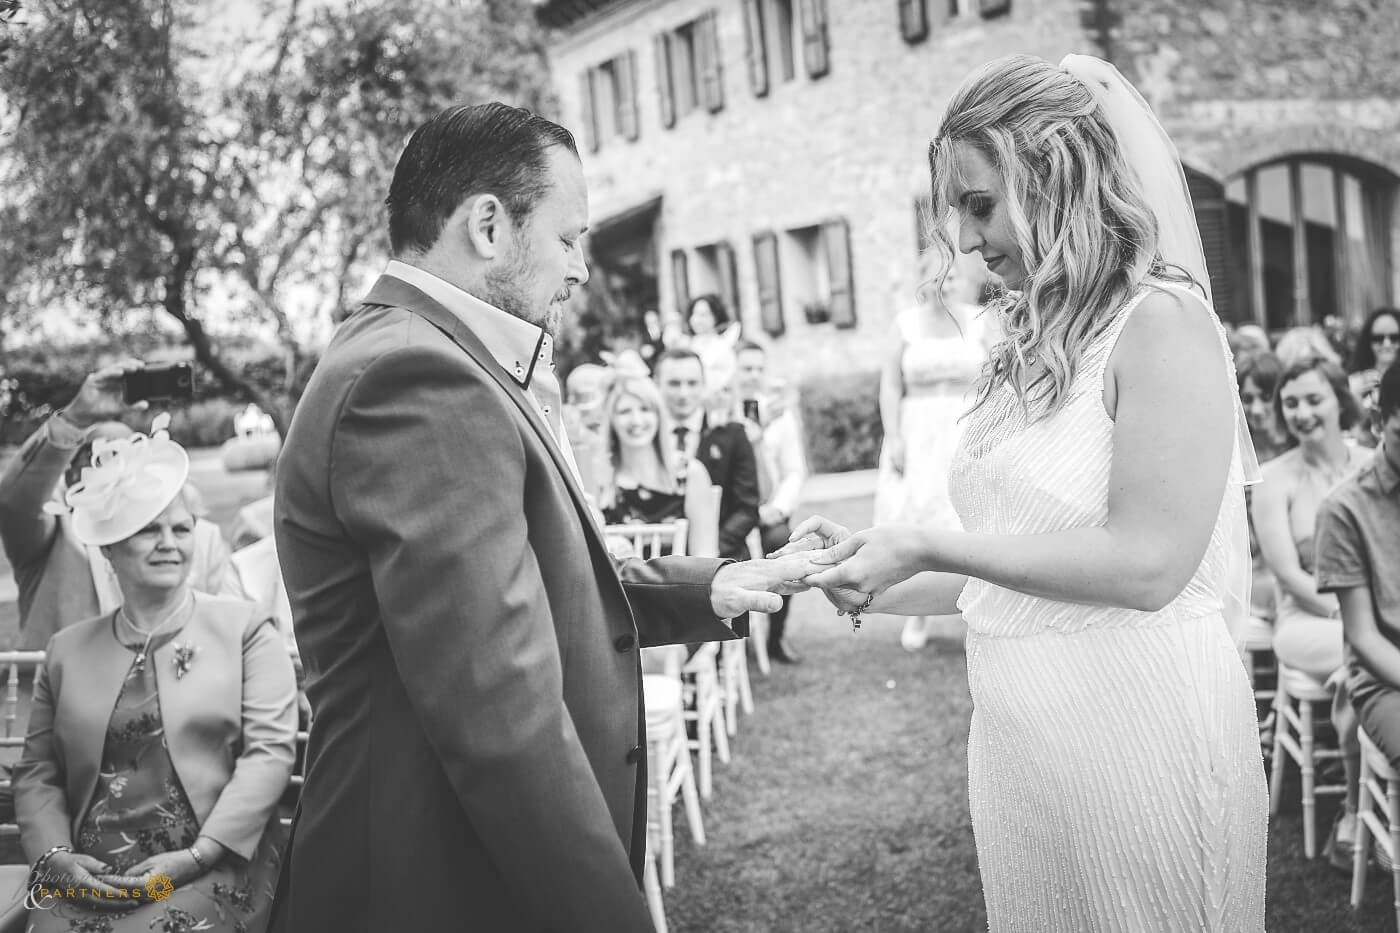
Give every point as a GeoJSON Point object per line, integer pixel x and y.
{"type": "Point", "coordinates": [810, 542]}
{"type": "Point", "coordinates": [810, 525]}
{"type": "Point", "coordinates": [839, 551]}
{"type": "Point", "coordinates": [832, 579]}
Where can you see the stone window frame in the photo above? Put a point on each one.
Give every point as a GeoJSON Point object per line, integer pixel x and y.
{"type": "Point", "coordinates": [1362, 199]}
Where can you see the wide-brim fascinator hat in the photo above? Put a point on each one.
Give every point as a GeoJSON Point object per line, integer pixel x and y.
{"type": "Point", "coordinates": [130, 482]}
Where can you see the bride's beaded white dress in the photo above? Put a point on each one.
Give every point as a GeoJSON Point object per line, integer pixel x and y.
{"type": "Point", "coordinates": [1114, 768]}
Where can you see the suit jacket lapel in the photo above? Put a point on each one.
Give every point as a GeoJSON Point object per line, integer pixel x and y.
{"type": "Point", "coordinates": [393, 292]}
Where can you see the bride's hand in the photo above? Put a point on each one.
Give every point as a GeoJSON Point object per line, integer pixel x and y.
{"type": "Point", "coordinates": [813, 534]}
{"type": "Point", "coordinates": [869, 562]}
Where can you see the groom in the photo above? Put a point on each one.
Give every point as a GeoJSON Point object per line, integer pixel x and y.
{"type": "Point", "coordinates": [477, 755]}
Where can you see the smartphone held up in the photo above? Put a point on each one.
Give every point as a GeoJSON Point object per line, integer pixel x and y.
{"type": "Point", "coordinates": [172, 382]}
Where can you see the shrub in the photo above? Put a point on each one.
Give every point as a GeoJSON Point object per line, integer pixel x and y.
{"type": "Point", "coordinates": [841, 415]}
{"type": "Point", "coordinates": [205, 423]}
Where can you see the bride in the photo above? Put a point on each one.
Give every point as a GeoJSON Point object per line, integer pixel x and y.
{"type": "Point", "coordinates": [1114, 767]}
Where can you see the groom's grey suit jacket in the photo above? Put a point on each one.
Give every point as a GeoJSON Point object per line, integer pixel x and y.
{"type": "Point", "coordinates": [477, 754]}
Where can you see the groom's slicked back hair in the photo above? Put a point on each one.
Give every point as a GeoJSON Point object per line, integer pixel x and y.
{"type": "Point", "coordinates": [482, 149]}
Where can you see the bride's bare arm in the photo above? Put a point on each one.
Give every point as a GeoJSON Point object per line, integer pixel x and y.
{"type": "Point", "coordinates": [925, 594]}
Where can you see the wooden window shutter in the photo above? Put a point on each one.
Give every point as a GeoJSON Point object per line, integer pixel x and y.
{"type": "Point", "coordinates": [816, 47]}
{"type": "Point", "coordinates": [711, 70]}
{"type": "Point", "coordinates": [728, 279]}
{"type": "Point", "coordinates": [755, 47]}
{"type": "Point", "coordinates": [836, 241]}
{"type": "Point", "coordinates": [1208, 199]}
{"type": "Point", "coordinates": [680, 280]}
{"type": "Point", "coordinates": [913, 20]}
{"type": "Point", "coordinates": [770, 293]}
{"type": "Point", "coordinates": [625, 69]}
{"type": "Point", "coordinates": [990, 8]}
{"type": "Point", "coordinates": [665, 90]}
{"type": "Point", "coordinates": [587, 113]}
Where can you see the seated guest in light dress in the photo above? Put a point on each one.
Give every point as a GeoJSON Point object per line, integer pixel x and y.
{"type": "Point", "coordinates": [1317, 408]}
{"type": "Point", "coordinates": [162, 733]}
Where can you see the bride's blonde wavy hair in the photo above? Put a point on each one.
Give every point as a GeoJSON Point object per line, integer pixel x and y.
{"type": "Point", "coordinates": [1081, 221]}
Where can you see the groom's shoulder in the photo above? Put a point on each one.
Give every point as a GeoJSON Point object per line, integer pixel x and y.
{"type": "Point", "coordinates": [375, 334]}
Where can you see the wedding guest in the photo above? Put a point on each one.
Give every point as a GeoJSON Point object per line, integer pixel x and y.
{"type": "Point", "coordinates": [1301, 343]}
{"type": "Point", "coordinates": [1256, 376]}
{"type": "Point", "coordinates": [639, 487]}
{"type": "Point", "coordinates": [1376, 349]}
{"type": "Point", "coordinates": [585, 390]}
{"type": "Point", "coordinates": [1251, 338]}
{"type": "Point", "coordinates": [723, 448]}
{"type": "Point", "coordinates": [60, 579]}
{"type": "Point", "coordinates": [1358, 559]}
{"type": "Point", "coordinates": [1317, 408]}
{"type": "Point", "coordinates": [712, 338]}
{"type": "Point", "coordinates": [937, 349]}
{"type": "Point", "coordinates": [162, 733]}
{"type": "Point", "coordinates": [772, 429]}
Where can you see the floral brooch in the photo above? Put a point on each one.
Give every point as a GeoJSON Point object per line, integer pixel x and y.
{"type": "Point", "coordinates": [184, 658]}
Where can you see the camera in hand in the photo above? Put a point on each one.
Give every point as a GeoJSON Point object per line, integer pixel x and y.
{"type": "Point", "coordinates": [164, 382]}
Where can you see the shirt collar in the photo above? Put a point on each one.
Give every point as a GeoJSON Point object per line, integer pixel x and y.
{"type": "Point", "coordinates": [517, 345]}
{"type": "Point", "coordinates": [694, 423]}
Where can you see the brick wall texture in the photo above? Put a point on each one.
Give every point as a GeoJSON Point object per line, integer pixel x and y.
{"type": "Point", "coordinates": [1238, 82]}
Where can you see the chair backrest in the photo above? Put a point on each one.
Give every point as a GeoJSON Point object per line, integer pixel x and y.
{"type": "Point", "coordinates": [652, 540]}
{"type": "Point", "coordinates": [14, 722]}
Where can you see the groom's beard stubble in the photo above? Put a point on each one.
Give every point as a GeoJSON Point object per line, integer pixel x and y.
{"type": "Point", "coordinates": [508, 289]}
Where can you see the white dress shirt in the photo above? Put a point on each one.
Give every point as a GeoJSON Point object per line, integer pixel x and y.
{"type": "Point", "coordinates": [524, 350]}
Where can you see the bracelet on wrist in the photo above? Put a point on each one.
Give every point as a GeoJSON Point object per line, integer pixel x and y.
{"type": "Point", "coordinates": [42, 862]}
{"type": "Point", "coordinates": [199, 859]}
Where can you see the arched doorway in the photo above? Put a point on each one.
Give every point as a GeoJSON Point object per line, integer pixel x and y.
{"type": "Point", "coordinates": [1305, 236]}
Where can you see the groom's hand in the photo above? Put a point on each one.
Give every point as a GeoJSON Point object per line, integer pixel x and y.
{"type": "Point", "coordinates": [758, 585]}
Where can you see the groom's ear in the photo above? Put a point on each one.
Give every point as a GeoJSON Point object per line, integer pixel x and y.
{"type": "Point", "coordinates": [482, 225]}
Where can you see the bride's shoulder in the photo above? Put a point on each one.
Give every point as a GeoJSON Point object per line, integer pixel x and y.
{"type": "Point", "coordinates": [1169, 322]}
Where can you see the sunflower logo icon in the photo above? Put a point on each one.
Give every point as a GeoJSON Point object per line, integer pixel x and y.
{"type": "Point", "coordinates": [159, 886]}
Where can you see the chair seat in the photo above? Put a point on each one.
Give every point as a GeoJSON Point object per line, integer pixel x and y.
{"type": "Point", "coordinates": [1302, 686]}
{"type": "Point", "coordinates": [1375, 758]}
{"type": "Point", "coordinates": [1258, 635]}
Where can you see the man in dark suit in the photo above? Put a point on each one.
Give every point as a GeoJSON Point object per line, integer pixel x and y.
{"type": "Point", "coordinates": [721, 445]}
{"type": "Point", "coordinates": [476, 758]}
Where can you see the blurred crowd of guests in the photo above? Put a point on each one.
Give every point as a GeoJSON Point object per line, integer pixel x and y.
{"type": "Point", "coordinates": [695, 427]}
{"type": "Point", "coordinates": [1325, 524]}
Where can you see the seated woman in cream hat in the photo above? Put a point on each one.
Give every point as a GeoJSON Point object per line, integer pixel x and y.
{"type": "Point", "coordinates": [162, 734]}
